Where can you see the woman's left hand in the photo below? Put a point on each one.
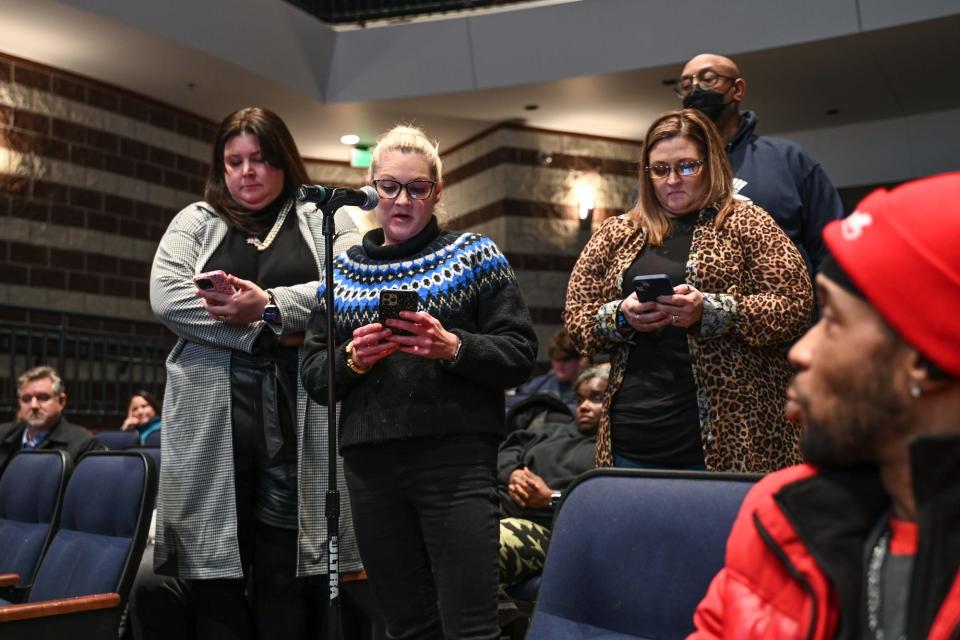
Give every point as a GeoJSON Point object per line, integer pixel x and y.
{"type": "Point", "coordinates": [243, 307]}
{"type": "Point", "coordinates": [429, 339]}
{"type": "Point", "coordinates": [684, 307]}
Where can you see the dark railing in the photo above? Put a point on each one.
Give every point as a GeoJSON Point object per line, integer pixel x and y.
{"type": "Point", "coordinates": [347, 11]}
{"type": "Point", "coordinates": [102, 360]}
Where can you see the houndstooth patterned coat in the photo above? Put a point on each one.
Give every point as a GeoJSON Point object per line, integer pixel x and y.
{"type": "Point", "coordinates": [196, 505]}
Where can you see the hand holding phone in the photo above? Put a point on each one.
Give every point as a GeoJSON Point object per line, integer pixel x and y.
{"type": "Point", "coordinates": [650, 287]}
{"type": "Point", "coordinates": [392, 302]}
{"type": "Point", "coordinates": [215, 281]}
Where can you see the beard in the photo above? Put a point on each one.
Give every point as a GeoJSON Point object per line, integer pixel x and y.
{"type": "Point", "coordinates": [866, 412]}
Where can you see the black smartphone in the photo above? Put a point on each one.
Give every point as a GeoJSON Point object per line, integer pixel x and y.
{"type": "Point", "coordinates": [392, 302]}
{"type": "Point", "coordinates": [649, 288]}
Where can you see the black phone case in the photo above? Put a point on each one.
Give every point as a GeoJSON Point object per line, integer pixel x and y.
{"type": "Point", "coordinates": [392, 302]}
{"type": "Point", "coordinates": [649, 288]}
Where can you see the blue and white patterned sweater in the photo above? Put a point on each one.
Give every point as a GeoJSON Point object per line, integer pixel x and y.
{"type": "Point", "coordinates": [463, 280]}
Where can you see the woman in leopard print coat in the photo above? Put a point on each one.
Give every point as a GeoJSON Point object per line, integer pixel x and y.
{"type": "Point", "coordinates": [698, 378]}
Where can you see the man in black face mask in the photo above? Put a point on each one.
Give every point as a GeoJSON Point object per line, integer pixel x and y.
{"type": "Point", "coordinates": [776, 174]}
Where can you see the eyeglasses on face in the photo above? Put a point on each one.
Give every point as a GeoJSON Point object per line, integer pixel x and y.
{"type": "Point", "coordinates": [705, 79]}
{"type": "Point", "coordinates": [27, 398]}
{"type": "Point", "coordinates": [416, 189]}
{"type": "Point", "coordinates": [684, 169]}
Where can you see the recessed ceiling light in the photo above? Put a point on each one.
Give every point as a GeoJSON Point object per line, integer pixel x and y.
{"type": "Point", "coordinates": [350, 139]}
{"type": "Point", "coordinates": [531, 107]}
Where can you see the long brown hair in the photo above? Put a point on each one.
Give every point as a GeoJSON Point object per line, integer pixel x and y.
{"type": "Point", "coordinates": [691, 124]}
{"type": "Point", "coordinates": [278, 149]}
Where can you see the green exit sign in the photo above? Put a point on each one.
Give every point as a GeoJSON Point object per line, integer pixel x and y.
{"type": "Point", "coordinates": [360, 157]}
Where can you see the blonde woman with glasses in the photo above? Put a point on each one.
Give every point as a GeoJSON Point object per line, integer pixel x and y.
{"type": "Point", "coordinates": [693, 293]}
{"type": "Point", "coordinates": [422, 397]}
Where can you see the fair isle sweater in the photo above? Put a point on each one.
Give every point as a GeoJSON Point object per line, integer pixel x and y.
{"type": "Point", "coordinates": [464, 281]}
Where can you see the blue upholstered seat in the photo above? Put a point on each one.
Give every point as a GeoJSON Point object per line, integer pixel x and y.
{"type": "Point", "coordinates": [153, 440]}
{"type": "Point", "coordinates": [153, 452]}
{"type": "Point", "coordinates": [118, 440]}
{"type": "Point", "coordinates": [108, 503]}
{"type": "Point", "coordinates": [633, 552]}
{"type": "Point", "coordinates": [95, 551]}
{"type": "Point", "coordinates": [31, 489]}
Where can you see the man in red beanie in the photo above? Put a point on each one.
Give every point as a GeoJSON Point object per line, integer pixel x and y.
{"type": "Point", "coordinates": [863, 541]}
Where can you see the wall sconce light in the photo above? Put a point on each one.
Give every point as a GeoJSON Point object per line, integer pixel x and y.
{"type": "Point", "coordinates": [586, 205]}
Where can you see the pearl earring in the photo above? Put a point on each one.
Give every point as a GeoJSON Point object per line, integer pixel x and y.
{"type": "Point", "coordinates": [916, 390]}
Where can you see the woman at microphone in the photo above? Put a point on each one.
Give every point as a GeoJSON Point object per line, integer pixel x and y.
{"type": "Point", "coordinates": [244, 450]}
{"type": "Point", "coordinates": [422, 403]}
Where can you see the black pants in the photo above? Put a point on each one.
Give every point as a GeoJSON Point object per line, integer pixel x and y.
{"type": "Point", "coordinates": [426, 516]}
{"type": "Point", "coordinates": [165, 608]}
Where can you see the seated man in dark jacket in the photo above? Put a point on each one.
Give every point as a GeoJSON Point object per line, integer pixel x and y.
{"type": "Point", "coordinates": [40, 423]}
{"type": "Point", "coordinates": [537, 463]}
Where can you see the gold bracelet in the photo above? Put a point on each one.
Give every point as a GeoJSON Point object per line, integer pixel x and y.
{"type": "Point", "coordinates": [353, 365]}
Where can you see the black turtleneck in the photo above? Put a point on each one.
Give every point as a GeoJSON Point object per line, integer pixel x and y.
{"type": "Point", "coordinates": [373, 242]}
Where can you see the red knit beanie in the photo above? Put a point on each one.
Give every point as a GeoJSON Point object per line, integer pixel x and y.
{"type": "Point", "coordinates": [901, 248]}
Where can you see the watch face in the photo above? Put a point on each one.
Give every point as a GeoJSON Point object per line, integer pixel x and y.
{"type": "Point", "coordinates": [271, 314]}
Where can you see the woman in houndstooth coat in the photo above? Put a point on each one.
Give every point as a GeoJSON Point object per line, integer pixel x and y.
{"type": "Point", "coordinates": [244, 450]}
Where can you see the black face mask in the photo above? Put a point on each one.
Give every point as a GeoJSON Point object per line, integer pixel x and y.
{"type": "Point", "coordinates": [710, 103]}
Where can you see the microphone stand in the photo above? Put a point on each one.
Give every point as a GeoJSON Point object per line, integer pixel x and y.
{"type": "Point", "coordinates": [332, 498]}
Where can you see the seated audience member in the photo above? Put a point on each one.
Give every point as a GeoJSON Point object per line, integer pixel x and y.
{"type": "Point", "coordinates": [564, 366]}
{"type": "Point", "coordinates": [40, 423]}
{"type": "Point", "coordinates": [863, 541]}
{"type": "Point", "coordinates": [143, 415]}
{"type": "Point", "coordinates": [534, 466]}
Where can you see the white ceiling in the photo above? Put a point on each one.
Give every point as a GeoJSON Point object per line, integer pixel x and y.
{"type": "Point", "coordinates": [869, 76]}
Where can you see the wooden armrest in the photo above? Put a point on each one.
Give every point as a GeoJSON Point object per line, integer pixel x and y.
{"type": "Point", "coordinates": [9, 579]}
{"type": "Point", "coordinates": [58, 607]}
{"type": "Point", "coordinates": [356, 575]}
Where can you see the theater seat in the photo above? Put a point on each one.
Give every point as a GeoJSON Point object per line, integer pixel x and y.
{"type": "Point", "coordinates": [118, 440]}
{"type": "Point", "coordinates": [153, 440]}
{"type": "Point", "coordinates": [633, 552]}
{"type": "Point", "coordinates": [89, 567]}
{"type": "Point", "coordinates": [31, 490]}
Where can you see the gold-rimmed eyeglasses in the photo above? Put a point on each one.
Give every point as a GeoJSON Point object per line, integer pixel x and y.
{"type": "Point", "coordinates": [684, 169]}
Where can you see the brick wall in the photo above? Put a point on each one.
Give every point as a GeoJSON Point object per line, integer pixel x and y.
{"type": "Point", "coordinates": [90, 176]}
{"type": "Point", "coordinates": [523, 188]}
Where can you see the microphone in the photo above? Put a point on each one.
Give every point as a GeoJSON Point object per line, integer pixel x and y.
{"type": "Point", "coordinates": [365, 197]}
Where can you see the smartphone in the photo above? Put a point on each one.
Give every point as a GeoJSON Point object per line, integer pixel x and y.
{"type": "Point", "coordinates": [392, 302]}
{"type": "Point", "coordinates": [649, 288]}
{"type": "Point", "coordinates": [214, 281]}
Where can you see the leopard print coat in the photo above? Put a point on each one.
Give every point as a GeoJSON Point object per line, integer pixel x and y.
{"type": "Point", "coordinates": [756, 297]}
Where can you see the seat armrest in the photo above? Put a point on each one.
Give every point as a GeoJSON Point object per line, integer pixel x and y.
{"type": "Point", "coordinates": [46, 608]}
{"type": "Point", "coordinates": [353, 576]}
{"type": "Point", "coordinates": [9, 579]}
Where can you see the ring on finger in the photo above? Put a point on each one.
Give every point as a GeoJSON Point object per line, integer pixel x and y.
{"type": "Point", "coordinates": [674, 319]}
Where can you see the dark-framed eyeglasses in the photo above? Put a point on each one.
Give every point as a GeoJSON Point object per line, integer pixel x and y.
{"type": "Point", "coordinates": [416, 189]}
{"type": "Point", "coordinates": [705, 79]}
{"type": "Point", "coordinates": [684, 169]}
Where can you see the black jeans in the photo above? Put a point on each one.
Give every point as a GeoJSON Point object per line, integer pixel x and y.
{"type": "Point", "coordinates": [425, 513]}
